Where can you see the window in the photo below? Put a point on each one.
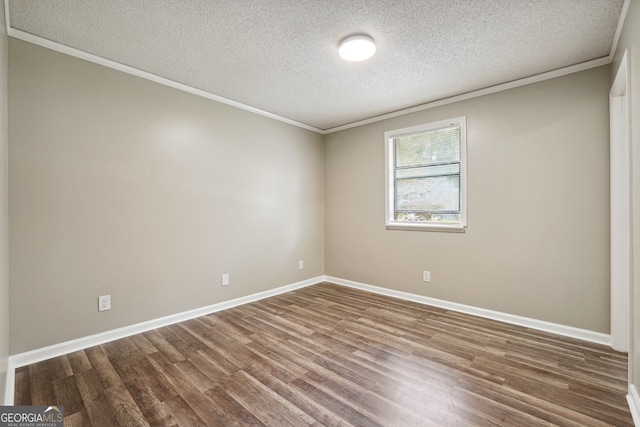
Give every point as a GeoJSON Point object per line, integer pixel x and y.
{"type": "Point", "coordinates": [426, 176]}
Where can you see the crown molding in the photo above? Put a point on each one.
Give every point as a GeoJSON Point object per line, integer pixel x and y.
{"type": "Point", "coordinates": [616, 37]}
{"type": "Point", "coordinates": [30, 38]}
{"type": "Point", "coordinates": [42, 42]}
{"type": "Point", "coordinates": [477, 93]}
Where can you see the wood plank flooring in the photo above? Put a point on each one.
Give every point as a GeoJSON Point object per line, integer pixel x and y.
{"type": "Point", "coordinates": [334, 356]}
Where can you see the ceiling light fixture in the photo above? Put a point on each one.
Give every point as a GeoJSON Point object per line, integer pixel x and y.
{"type": "Point", "coordinates": [357, 48]}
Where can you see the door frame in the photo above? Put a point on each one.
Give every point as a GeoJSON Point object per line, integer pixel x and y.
{"type": "Point", "coordinates": [620, 197]}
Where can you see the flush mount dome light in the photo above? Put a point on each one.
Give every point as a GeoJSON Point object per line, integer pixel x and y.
{"type": "Point", "coordinates": [357, 48]}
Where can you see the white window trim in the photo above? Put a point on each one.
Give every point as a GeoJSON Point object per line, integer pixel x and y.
{"type": "Point", "coordinates": [391, 223]}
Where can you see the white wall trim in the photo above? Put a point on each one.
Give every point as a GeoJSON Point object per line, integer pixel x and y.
{"type": "Point", "coordinates": [541, 325]}
{"type": "Point", "coordinates": [634, 404]}
{"type": "Point", "coordinates": [39, 41]}
{"type": "Point", "coordinates": [10, 380]}
{"type": "Point", "coordinates": [21, 35]}
{"type": "Point", "coordinates": [620, 206]}
{"type": "Point", "coordinates": [38, 355]}
{"type": "Point", "coordinates": [6, 380]}
{"type": "Point", "coordinates": [477, 93]}
{"type": "Point", "coordinates": [616, 37]}
{"type": "Point", "coordinates": [6, 16]}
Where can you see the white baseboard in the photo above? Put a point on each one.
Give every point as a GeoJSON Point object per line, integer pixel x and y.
{"type": "Point", "coordinates": [38, 355]}
{"type": "Point", "coordinates": [634, 404]}
{"type": "Point", "coordinates": [9, 385]}
{"type": "Point", "coordinates": [567, 331]}
{"type": "Point", "coordinates": [22, 359]}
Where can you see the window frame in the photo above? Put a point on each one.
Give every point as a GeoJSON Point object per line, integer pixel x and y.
{"type": "Point", "coordinates": [390, 221]}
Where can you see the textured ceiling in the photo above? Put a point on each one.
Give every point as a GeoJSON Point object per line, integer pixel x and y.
{"type": "Point", "coordinates": [280, 56]}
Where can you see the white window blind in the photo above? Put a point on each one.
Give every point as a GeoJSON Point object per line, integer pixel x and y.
{"type": "Point", "coordinates": [426, 168]}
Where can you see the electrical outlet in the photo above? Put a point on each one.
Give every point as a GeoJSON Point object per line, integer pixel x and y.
{"type": "Point", "coordinates": [225, 280]}
{"type": "Point", "coordinates": [426, 276]}
{"type": "Point", "coordinates": [300, 265]}
{"type": "Point", "coordinates": [104, 303]}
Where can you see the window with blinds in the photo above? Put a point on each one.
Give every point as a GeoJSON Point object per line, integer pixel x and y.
{"type": "Point", "coordinates": [426, 179]}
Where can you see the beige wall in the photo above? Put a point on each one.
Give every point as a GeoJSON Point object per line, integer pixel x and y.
{"type": "Point", "coordinates": [537, 243]}
{"type": "Point", "coordinates": [4, 239]}
{"type": "Point", "coordinates": [630, 38]}
{"type": "Point", "coordinates": [121, 186]}
{"type": "Point", "coordinates": [125, 187]}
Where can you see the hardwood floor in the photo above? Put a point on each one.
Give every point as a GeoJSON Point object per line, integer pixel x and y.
{"type": "Point", "coordinates": [329, 355]}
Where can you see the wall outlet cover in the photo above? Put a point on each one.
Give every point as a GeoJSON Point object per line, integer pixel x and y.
{"type": "Point", "coordinates": [104, 303]}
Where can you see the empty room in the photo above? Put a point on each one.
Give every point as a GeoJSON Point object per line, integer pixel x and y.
{"type": "Point", "coordinates": [296, 213]}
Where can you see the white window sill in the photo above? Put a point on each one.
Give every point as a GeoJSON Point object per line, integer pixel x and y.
{"type": "Point", "coordinates": [426, 227]}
